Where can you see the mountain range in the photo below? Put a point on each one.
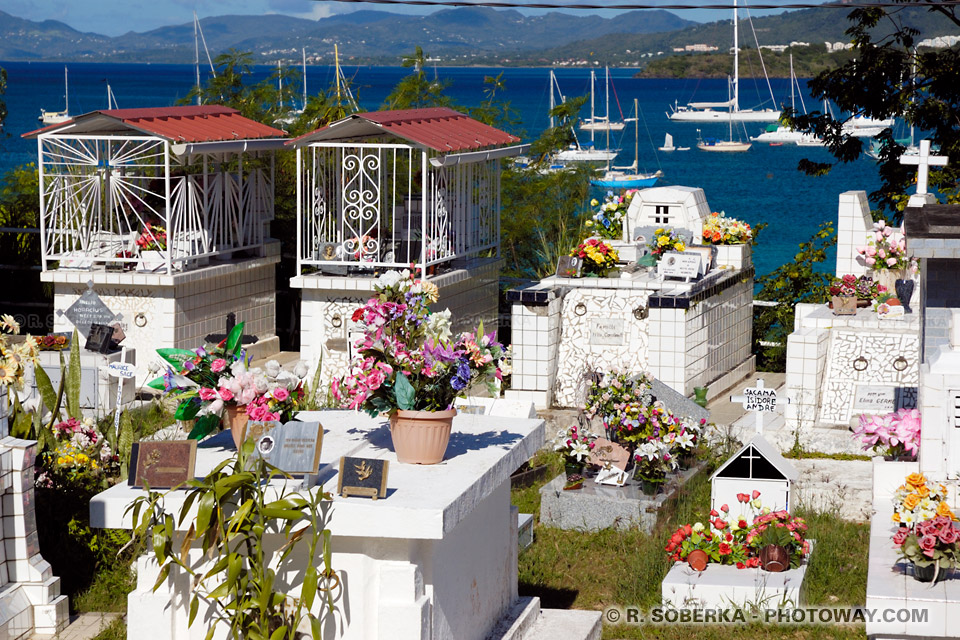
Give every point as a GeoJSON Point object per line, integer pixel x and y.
{"type": "Point", "coordinates": [463, 36]}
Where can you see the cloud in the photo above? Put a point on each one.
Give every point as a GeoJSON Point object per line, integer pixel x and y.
{"type": "Point", "coordinates": [302, 8]}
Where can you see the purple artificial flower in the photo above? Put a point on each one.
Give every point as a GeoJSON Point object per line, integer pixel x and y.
{"type": "Point", "coordinates": [188, 365]}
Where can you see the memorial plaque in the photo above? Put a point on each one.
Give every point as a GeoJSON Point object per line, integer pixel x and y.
{"type": "Point", "coordinates": [612, 476]}
{"type": "Point", "coordinates": [363, 477]}
{"type": "Point", "coordinates": [607, 455]}
{"type": "Point", "coordinates": [87, 310]}
{"type": "Point", "coordinates": [569, 267]}
{"type": "Point", "coordinates": [293, 447]}
{"type": "Point", "coordinates": [162, 464]}
{"type": "Point", "coordinates": [607, 332]}
{"type": "Point", "coordinates": [844, 305]}
{"type": "Point", "coordinates": [680, 265]}
{"type": "Point", "coordinates": [471, 409]}
{"type": "Point", "coordinates": [875, 399]}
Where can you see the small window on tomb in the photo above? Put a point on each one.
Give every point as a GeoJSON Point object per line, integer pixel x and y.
{"type": "Point", "coordinates": [662, 214]}
{"type": "Point", "coordinates": [751, 464]}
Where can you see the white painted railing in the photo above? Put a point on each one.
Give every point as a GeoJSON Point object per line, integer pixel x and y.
{"type": "Point", "coordinates": [387, 205]}
{"type": "Point", "coordinates": [99, 193]}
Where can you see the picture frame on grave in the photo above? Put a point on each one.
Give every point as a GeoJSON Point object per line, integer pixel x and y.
{"type": "Point", "coordinates": [162, 464]}
{"type": "Point", "coordinates": [569, 267]}
{"type": "Point", "coordinates": [686, 266]}
{"type": "Point", "coordinates": [363, 477]}
{"type": "Point", "coordinates": [707, 253]}
{"type": "Point", "coordinates": [844, 305]}
{"type": "Point", "coordinates": [100, 339]}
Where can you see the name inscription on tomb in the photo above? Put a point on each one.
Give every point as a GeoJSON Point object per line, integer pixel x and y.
{"type": "Point", "coordinates": [759, 399]}
{"type": "Point", "coordinates": [87, 310]}
{"type": "Point", "coordinates": [871, 398]}
{"type": "Point", "coordinates": [607, 332]}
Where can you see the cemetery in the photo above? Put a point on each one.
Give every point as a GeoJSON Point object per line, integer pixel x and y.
{"type": "Point", "coordinates": [367, 486]}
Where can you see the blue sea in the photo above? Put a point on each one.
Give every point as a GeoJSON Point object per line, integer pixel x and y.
{"type": "Point", "coordinates": [760, 186]}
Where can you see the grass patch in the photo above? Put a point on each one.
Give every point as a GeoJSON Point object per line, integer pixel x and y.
{"type": "Point", "coordinates": [800, 454]}
{"type": "Point", "coordinates": [116, 630]}
{"type": "Point", "coordinates": [108, 590]}
{"type": "Point", "coordinates": [595, 570]}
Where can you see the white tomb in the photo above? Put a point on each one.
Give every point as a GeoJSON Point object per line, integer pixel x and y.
{"type": "Point", "coordinates": [204, 174]}
{"type": "Point", "coordinates": [841, 366]}
{"type": "Point", "coordinates": [686, 334]}
{"type": "Point", "coordinates": [391, 190]}
{"type": "Point", "coordinates": [434, 560]}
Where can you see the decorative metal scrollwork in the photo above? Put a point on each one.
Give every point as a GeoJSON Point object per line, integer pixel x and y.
{"type": "Point", "coordinates": [580, 309]}
{"type": "Point", "coordinates": [860, 364]}
{"type": "Point", "coordinates": [641, 313]}
{"type": "Point", "coordinates": [336, 321]}
{"type": "Point", "coordinates": [140, 320]}
{"type": "Point", "coordinates": [900, 364]}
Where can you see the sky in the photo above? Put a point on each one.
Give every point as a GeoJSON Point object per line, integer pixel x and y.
{"type": "Point", "coordinates": [116, 17]}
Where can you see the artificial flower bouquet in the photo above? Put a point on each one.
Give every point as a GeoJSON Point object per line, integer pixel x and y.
{"type": "Point", "coordinates": [14, 356]}
{"type": "Point", "coordinates": [264, 394]}
{"type": "Point", "coordinates": [883, 251]}
{"type": "Point", "coordinates": [598, 257]}
{"type": "Point", "coordinates": [862, 288]}
{"type": "Point", "coordinates": [654, 460]}
{"type": "Point", "coordinates": [719, 229]}
{"type": "Point", "coordinates": [408, 358]}
{"type": "Point", "coordinates": [665, 240]}
{"type": "Point", "coordinates": [53, 342]}
{"type": "Point", "coordinates": [575, 445]}
{"type": "Point", "coordinates": [611, 393]}
{"type": "Point", "coordinates": [153, 238]}
{"type": "Point", "coordinates": [930, 543]}
{"type": "Point", "coordinates": [82, 458]}
{"type": "Point", "coordinates": [607, 222]}
{"type": "Point", "coordinates": [894, 434]}
{"type": "Point", "coordinates": [719, 547]}
{"type": "Point", "coordinates": [918, 500]}
{"type": "Point", "coordinates": [781, 529]}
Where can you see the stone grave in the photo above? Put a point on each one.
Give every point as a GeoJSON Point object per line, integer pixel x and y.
{"type": "Point", "coordinates": [933, 235]}
{"type": "Point", "coordinates": [30, 599]}
{"type": "Point", "coordinates": [599, 506]}
{"type": "Point", "coordinates": [685, 333]}
{"type": "Point", "coordinates": [841, 366]}
{"type": "Point", "coordinates": [389, 190]}
{"type": "Point", "coordinates": [435, 559]}
{"type": "Point", "coordinates": [205, 191]}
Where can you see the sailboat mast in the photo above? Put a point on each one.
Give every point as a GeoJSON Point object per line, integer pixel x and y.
{"type": "Point", "coordinates": [606, 98]}
{"type": "Point", "coordinates": [793, 103]}
{"type": "Point", "coordinates": [552, 104]}
{"type": "Point", "coordinates": [66, 92]}
{"type": "Point", "coordinates": [304, 51]}
{"type": "Point", "coordinates": [280, 84]}
{"type": "Point", "coordinates": [636, 135]}
{"type": "Point", "coordinates": [196, 53]}
{"type": "Point", "coordinates": [593, 118]}
{"type": "Point", "coordinates": [736, 61]}
{"type": "Point", "coordinates": [336, 62]}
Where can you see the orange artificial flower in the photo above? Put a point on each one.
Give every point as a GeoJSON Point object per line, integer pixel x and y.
{"type": "Point", "coordinates": [911, 501]}
{"type": "Point", "coordinates": [943, 509]}
{"type": "Point", "coordinates": [896, 517]}
{"type": "Point", "coordinates": [916, 479]}
{"type": "Point", "coordinates": [923, 491]}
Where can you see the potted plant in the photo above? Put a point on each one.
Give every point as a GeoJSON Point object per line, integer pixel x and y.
{"type": "Point", "coordinates": [598, 256]}
{"type": "Point", "coordinates": [930, 546]}
{"type": "Point", "coordinates": [611, 395]}
{"type": "Point", "coordinates": [694, 544]}
{"type": "Point", "coordinates": [864, 289]}
{"type": "Point", "coordinates": [412, 368]}
{"type": "Point", "coordinates": [886, 255]}
{"type": "Point", "coordinates": [778, 540]}
{"type": "Point", "coordinates": [653, 461]}
{"type": "Point", "coordinates": [151, 245]}
{"type": "Point", "coordinates": [575, 445]}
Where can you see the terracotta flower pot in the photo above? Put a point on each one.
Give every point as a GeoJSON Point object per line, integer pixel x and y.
{"type": "Point", "coordinates": [697, 559]}
{"type": "Point", "coordinates": [235, 418]}
{"type": "Point", "coordinates": [421, 437]}
{"type": "Point", "coordinates": [774, 558]}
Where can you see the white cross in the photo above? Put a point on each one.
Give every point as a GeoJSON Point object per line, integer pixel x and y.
{"type": "Point", "coordinates": [924, 161]}
{"type": "Point", "coordinates": [759, 401]}
{"type": "Point", "coordinates": [121, 371]}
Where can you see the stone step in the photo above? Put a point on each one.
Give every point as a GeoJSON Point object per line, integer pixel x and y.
{"type": "Point", "coordinates": [264, 349]}
{"type": "Point", "coordinates": [568, 624]}
{"type": "Point", "coordinates": [518, 621]}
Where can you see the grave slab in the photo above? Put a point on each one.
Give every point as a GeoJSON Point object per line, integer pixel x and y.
{"type": "Point", "coordinates": [726, 587]}
{"type": "Point", "coordinates": [596, 507]}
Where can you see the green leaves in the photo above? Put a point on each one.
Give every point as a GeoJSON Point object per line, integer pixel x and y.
{"type": "Point", "coordinates": [204, 426]}
{"type": "Point", "coordinates": [233, 339]}
{"type": "Point", "coordinates": [405, 393]}
{"type": "Point", "coordinates": [176, 357]}
{"type": "Point", "coordinates": [72, 384]}
{"type": "Point", "coordinates": [188, 409]}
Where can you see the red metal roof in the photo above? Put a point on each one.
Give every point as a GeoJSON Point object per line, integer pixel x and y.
{"type": "Point", "coordinates": [438, 128]}
{"type": "Point", "coordinates": [207, 123]}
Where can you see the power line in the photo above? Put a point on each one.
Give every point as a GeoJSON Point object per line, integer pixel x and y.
{"type": "Point", "coordinates": [506, 4]}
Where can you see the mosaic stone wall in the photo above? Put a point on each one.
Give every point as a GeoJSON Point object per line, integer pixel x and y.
{"type": "Point", "coordinates": [599, 331]}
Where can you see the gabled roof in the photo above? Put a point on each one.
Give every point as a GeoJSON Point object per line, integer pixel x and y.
{"type": "Point", "coordinates": [207, 123]}
{"type": "Point", "coordinates": [437, 128]}
{"type": "Point", "coordinates": [768, 451]}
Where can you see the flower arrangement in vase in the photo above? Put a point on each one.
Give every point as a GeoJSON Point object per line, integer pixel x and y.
{"type": "Point", "coordinates": [777, 537]}
{"type": "Point", "coordinates": [607, 222]}
{"type": "Point", "coordinates": [411, 367]}
{"type": "Point", "coordinates": [930, 546]}
{"type": "Point", "coordinates": [886, 254]}
{"type": "Point", "coordinates": [864, 289]}
{"type": "Point", "coordinates": [894, 435]}
{"type": "Point", "coordinates": [610, 395]}
{"type": "Point", "coordinates": [574, 444]}
{"type": "Point", "coordinates": [15, 354]}
{"type": "Point", "coordinates": [665, 240]}
{"type": "Point", "coordinates": [599, 257]}
{"type": "Point", "coordinates": [719, 229]}
{"type": "Point", "coordinates": [653, 460]}
{"type": "Point", "coordinates": [917, 500]}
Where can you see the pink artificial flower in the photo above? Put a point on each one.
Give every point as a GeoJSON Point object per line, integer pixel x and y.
{"type": "Point", "coordinates": [218, 365]}
{"type": "Point", "coordinates": [928, 544]}
{"type": "Point", "coordinates": [891, 262]}
{"type": "Point", "coordinates": [225, 394]}
{"type": "Point", "coordinates": [870, 261]}
{"type": "Point", "coordinates": [949, 535]}
{"type": "Point", "coordinates": [207, 394]}
{"type": "Point", "coordinates": [881, 253]}
{"type": "Point", "coordinates": [888, 231]}
{"type": "Point", "coordinates": [871, 251]}
{"type": "Point", "coordinates": [255, 412]}
{"type": "Point", "coordinates": [280, 394]}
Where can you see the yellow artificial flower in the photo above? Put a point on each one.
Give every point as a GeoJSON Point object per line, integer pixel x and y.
{"type": "Point", "coordinates": [681, 246]}
{"type": "Point", "coordinates": [430, 290]}
{"type": "Point", "coordinates": [923, 491]}
{"type": "Point", "coordinates": [8, 371]}
{"type": "Point", "coordinates": [662, 240]}
{"type": "Point", "coordinates": [896, 517]}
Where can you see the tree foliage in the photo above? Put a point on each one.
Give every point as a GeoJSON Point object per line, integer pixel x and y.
{"type": "Point", "coordinates": [417, 91]}
{"type": "Point", "coordinates": [795, 282]}
{"type": "Point", "coordinates": [889, 77]}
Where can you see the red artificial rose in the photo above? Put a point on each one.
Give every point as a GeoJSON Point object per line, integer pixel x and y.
{"type": "Point", "coordinates": [729, 537]}
{"type": "Point", "coordinates": [670, 548]}
{"type": "Point", "coordinates": [740, 565]}
{"type": "Point", "coordinates": [753, 562]}
{"type": "Point", "coordinates": [357, 315]}
{"type": "Point", "coordinates": [724, 549]}
{"type": "Point", "coordinates": [927, 544]}
{"type": "Point", "coordinates": [713, 512]}
{"type": "Point", "coordinates": [742, 497]}
{"type": "Point", "coordinates": [949, 535]}
{"type": "Point", "coordinates": [719, 524]}
{"type": "Point", "coordinates": [687, 529]}
{"type": "Point", "coordinates": [756, 494]}
{"type": "Point", "coordinates": [742, 524]}
{"type": "Point", "coordinates": [725, 508]}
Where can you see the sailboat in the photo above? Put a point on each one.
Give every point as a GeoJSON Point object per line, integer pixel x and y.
{"type": "Point", "coordinates": [706, 111]}
{"type": "Point", "coordinates": [713, 144]}
{"type": "Point", "coordinates": [576, 152]}
{"type": "Point", "coordinates": [197, 39]}
{"type": "Point", "coordinates": [111, 99]}
{"type": "Point", "coordinates": [777, 134]}
{"type": "Point", "coordinates": [56, 117]}
{"type": "Point", "coordinates": [628, 177]}
{"type": "Point", "coordinates": [668, 144]}
{"type": "Point", "coordinates": [600, 123]}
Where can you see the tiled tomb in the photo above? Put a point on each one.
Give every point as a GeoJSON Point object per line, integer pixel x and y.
{"type": "Point", "coordinates": [687, 334]}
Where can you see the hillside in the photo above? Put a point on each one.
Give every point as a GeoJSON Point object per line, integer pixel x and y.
{"type": "Point", "coordinates": [807, 63]}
